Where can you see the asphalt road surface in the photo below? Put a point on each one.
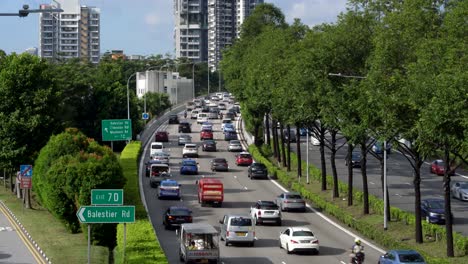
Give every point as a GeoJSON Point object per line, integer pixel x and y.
{"type": "Point", "coordinates": [240, 194]}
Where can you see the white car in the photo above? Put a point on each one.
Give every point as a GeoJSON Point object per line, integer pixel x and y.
{"type": "Point", "coordinates": [265, 212]}
{"type": "Point", "coordinates": [299, 239]}
{"type": "Point", "coordinates": [235, 145]}
{"type": "Point", "coordinates": [314, 141]}
{"type": "Point", "coordinates": [202, 118]}
{"type": "Point", "coordinates": [194, 114]}
{"type": "Point", "coordinates": [459, 190]}
{"type": "Point", "coordinates": [156, 147]}
{"type": "Point", "coordinates": [190, 150]}
{"type": "Point", "coordinates": [222, 106]}
{"type": "Point", "coordinates": [162, 156]}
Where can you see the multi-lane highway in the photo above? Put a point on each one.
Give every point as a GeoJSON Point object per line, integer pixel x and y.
{"type": "Point", "coordinates": [240, 194]}
{"type": "Point", "coordinates": [400, 180]}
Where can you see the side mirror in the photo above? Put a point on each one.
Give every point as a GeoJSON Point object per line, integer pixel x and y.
{"type": "Point", "coordinates": [220, 221]}
{"type": "Point", "coordinates": [180, 184]}
{"type": "Point", "coordinates": [177, 232]}
{"type": "Point", "coordinates": [196, 182]}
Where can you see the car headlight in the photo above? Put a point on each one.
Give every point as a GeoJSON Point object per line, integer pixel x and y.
{"type": "Point", "coordinates": [433, 214]}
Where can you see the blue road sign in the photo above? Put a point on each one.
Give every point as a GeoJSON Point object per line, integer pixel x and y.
{"type": "Point", "coordinates": [145, 116]}
{"type": "Point", "coordinates": [26, 170]}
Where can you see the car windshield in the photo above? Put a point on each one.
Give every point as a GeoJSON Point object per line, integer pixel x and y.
{"type": "Point", "coordinates": [169, 184]}
{"type": "Point", "coordinates": [440, 163]}
{"type": "Point", "coordinates": [302, 233]}
{"type": "Point", "coordinates": [259, 166]}
{"type": "Point", "coordinates": [244, 156]}
{"type": "Point", "coordinates": [156, 147]}
{"type": "Point", "coordinates": [179, 211]}
{"type": "Point", "coordinates": [269, 206]}
{"type": "Point", "coordinates": [235, 142]}
{"type": "Point", "coordinates": [190, 147]}
{"type": "Point", "coordinates": [436, 204]}
{"type": "Point", "coordinates": [293, 196]}
{"type": "Point", "coordinates": [219, 160]}
{"type": "Point", "coordinates": [189, 162]}
{"type": "Point", "coordinates": [410, 258]}
{"type": "Point", "coordinates": [464, 185]}
{"type": "Point", "coordinates": [241, 221]}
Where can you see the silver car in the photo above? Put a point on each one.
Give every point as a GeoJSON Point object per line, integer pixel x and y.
{"type": "Point", "coordinates": [459, 190]}
{"type": "Point", "coordinates": [291, 201]}
{"type": "Point", "coordinates": [235, 145]}
{"type": "Point", "coordinates": [163, 157]}
{"type": "Point", "coordinates": [184, 139]}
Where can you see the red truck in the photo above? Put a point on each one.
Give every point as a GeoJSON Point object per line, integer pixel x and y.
{"type": "Point", "coordinates": [210, 191]}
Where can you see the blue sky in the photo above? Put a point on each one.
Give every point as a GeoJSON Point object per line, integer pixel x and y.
{"type": "Point", "coordinates": [141, 27]}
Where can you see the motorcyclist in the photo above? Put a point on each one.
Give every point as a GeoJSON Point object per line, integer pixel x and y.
{"type": "Point", "coordinates": [185, 114]}
{"type": "Point", "coordinates": [357, 252]}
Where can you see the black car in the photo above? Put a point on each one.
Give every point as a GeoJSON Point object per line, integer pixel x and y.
{"type": "Point", "coordinates": [230, 136]}
{"type": "Point", "coordinates": [173, 119]}
{"type": "Point", "coordinates": [176, 215]}
{"type": "Point", "coordinates": [205, 109]}
{"type": "Point", "coordinates": [433, 210]}
{"type": "Point", "coordinates": [257, 170]}
{"type": "Point", "coordinates": [232, 111]}
{"type": "Point", "coordinates": [219, 164]}
{"type": "Point", "coordinates": [184, 127]}
{"type": "Point", "coordinates": [355, 159]}
{"type": "Point", "coordinates": [230, 115]}
{"type": "Point", "coordinates": [291, 137]}
{"type": "Point", "coordinates": [209, 145]}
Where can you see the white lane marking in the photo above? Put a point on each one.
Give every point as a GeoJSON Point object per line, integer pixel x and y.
{"type": "Point", "coordinates": [372, 182]}
{"type": "Point", "coordinates": [342, 262]}
{"type": "Point", "coordinates": [245, 188]}
{"type": "Point", "coordinates": [235, 177]}
{"type": "Point", "coordinates": [282, 262]}
{"type": "Point", "coordinates": [408, 183]}
{"type": "Point", "coordinates": [397, 194]}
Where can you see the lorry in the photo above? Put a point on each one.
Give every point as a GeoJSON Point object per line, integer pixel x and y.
{"type": "Point", "coordinates": [198, 243]}
{"type": "Point", "coordinates": [210, 191]}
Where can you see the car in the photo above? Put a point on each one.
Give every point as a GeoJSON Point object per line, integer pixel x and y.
{"type": "Point", "coordinates": [162, 156]}
{"type": "Point", "coordinates": [230, 115]}
{"type": "Point", "coordinates": [205, 109]}
{"type": "Point", "coordinates": [189, 166]}
{"type": "Point", "coordinates": [148, 166]}
{"type": "Point", "coordinates": [234, 145]}
{"type": "Point", "coordinates": [185, 127]}
{"type": "Point", "coordinates": [174, 216]}
{"type": "Point", "coordinates": [202, 118]}
{"type": "Point", "coordinates": [299, 239]}
{"type": "Point", "coordinates": [236, 109]}
{"type": "Point", "coordinates": [244, 159]}
{"type": "Point", "coordinates": [314, 141]}
{"type": "Point", "coordinates": [257, 170]}
{"type": "Point", "coordinates": [214, 98]}
{"type": "Point", "coordinates": [438, 167]}
{"type": "Point", "coordinates": [291, 137]}
{"type": "Point", "coordinates": [209, 145]}
{"type": "Point", "coordinates": [289, 201]}
{"type": "Point", "coordinates": [194, 114]}
{"type": "Point", "coordinates": [173, 119]}
{"type": "Point", "coordinates": [219, 164]}
{"type": "Point", "coordinates": [158, 173]}
{"type": "Point", "coordinates": [161, 136]}
{"type": "Point", "coordinates": [184, 139]}
{"type": "Point", "coordinates": [207, 126]}
{"type": "Point", "coordinates": [156, 147]}
{"type": "Point", "coordinates": [169, 189]}
{"type": "Point", "coordinates": [206, 134]}
{"type": "Point", "coordinates": [237, 229]}
{"type": "Point", "coordinates": [231, 135]}
{"type": "Point", "coordinates": [459, 190]}
{"type": "Point", "coordinates": [401, 257]}
{"type": "Point", "coordinates": [355, 159]}
{"type": "Point", "coordinates": [265, 212]}
{"type": "Point", "coordinates": [213, 114]}
{"type": "Point", "coordinates": [222, 106]}
{"type": "Point", "coordinates": [190, 150]}
{"type": "Point", "coordinates": [433, 210]}
{"type": "Point", "coordinates": [377, 148]}
{"type": "Point", "coordinates": [303, 132]}
{"type": "Point", "coordinates": [224, 122]}
{"type": "Point", "coordinates": [228, 127]}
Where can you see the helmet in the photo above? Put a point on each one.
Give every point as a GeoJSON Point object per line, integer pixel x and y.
{"type": "Point", "coordinates": [357, 241]}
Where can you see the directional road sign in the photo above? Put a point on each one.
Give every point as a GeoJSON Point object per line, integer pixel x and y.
{"type": "Point", "coordinates": [106, 214]}
{"type": "Point", "coordinates": [116, 129]}
{"type": "Point", "coordinates": [107, 197]}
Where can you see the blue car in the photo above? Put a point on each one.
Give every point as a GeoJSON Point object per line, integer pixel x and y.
{"type": "Point", "coordinates": [229, 127]}
{"type": "Point", "coordinates": [230, 136]}
{"type": "Point", "coordinates": [189, 166]}
{"type": "Point", "coordinates": [303, 131]}
{"type": "Point", "coordinates": [402, 257]}
{"type": "Point", "coordinates": [169, 189]}
{"type": "Point", "coordinates": [433, 210]}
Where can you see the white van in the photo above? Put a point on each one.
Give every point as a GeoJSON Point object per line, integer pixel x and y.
{"type": "Point", "coordinates": [202, 118]}
{"type": "Point", "coordinates": [156, 147]}
{"type": "Point", "coordinates": [237, 229]}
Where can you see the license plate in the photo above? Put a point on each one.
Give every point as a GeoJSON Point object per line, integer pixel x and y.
{"type": "Point", "coordinates": [204, 261]}
{"type": "Point", "coordinates": [269, 212]}
{"type": "Point", "coordinates": [241, 233]}
{"type": "Point", "coordinates": [305, 241]}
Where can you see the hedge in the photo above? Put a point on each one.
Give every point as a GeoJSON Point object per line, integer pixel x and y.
{"type": "Point", "coordinates": [376, 204]}
{"type": "Point", "coordinates": [142, 245]}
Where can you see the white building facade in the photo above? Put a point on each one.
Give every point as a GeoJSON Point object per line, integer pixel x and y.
{"type": "Point", "coordinates": [178, 89]}
{"type": "Point", "coordinates": [73, 33]}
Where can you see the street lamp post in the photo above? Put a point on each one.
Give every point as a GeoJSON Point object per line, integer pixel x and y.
{"type": "Point", "coordinates": [207, 63]}
{"type": "Point", "coordinates": [128, 95]}
{"type": "Point", "coordinates": [26, 11]}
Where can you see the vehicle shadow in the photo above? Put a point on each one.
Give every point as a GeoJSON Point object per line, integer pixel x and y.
{"type": "Point", "coordinates": [256, 260]}
{"type": "Point", "coordinates": [266, 242]}
{"type": "Point", "coordinates": [331, 251]}
{"type": "Point", "coordinates": [244, 205]}
{"type": "Point", "coordinates": [4, 255]}
{"type": "Point", "coordinates": [237, 190]}
{"type": "Point", "coordinates": [289, 222]}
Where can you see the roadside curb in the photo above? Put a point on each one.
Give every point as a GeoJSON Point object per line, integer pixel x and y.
{"type": "Point", "coordinates": [26, 233]}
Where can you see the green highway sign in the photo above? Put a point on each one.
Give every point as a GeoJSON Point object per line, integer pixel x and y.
{"type": "Point", "coordinates": [116, 129]}
{"type": "Point", "coordinates": [106, 214]}
{"type": "Point", "coordinates": [106, 197]}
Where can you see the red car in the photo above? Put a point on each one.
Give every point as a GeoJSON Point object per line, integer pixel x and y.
{"type": "Point", "coordinates": [438, 167]}
{"type": "Point", "coordinates": [206, 134]}
{"type": "Point", "coordinates": [162, 136]}
{"type": "Point", "coordinates": [244, 158]}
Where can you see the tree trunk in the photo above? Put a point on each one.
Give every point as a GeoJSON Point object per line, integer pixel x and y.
{"type": "Point", "coordinates": [350, 174]}
{"type": "Point", "coordinates": [110, 256]}
{"type": "Point", "coordinates": [283, 150]}
{"type": "Point", "coordinates": [322, 159]}
{"type": "Point", "coordinates": [278, 142]}
{"type": "Point", "coordinates": [275, 139]}
{"type": "Point", "coordinates": [27, 198]}
{"type": "Point", "coordinates": [289, 148]}
{"type": "Point", "coordinates": [333, 164]}
{"type": "Point", "coordinates": [417, 199]}
{"type": "Point", "coordinates": [257, 140]}
{"type": "Point", "coordinates": [448, 208]}
{"type": "Point", "coordinates": [365, 188]}
{"type": "Point", "coordinates": [381, 161]}
{"type": "Point", "coordinates": [267, 129]}
{"type": "Point", "coordinates": [298, 151]}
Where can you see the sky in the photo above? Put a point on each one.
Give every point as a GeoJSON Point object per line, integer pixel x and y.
{"type": "Point", "coordinates": [141, 27]}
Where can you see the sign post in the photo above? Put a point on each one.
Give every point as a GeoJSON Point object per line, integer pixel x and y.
{"type": "Point", "coordinates": [26, 173]}
{"type": "Point", "coordinates": [116, 129]}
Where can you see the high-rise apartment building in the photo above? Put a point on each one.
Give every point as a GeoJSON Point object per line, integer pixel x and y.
{"type": "Point", "coordinates": [203, 28]}
{"type": "Point", "coordinates": [73, 33]}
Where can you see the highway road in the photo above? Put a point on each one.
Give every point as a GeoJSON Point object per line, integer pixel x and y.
{"type": "Point", "coordinates": [400, 180]}
{"type": "Point", "coordinates": [13, 247]}
{"type": "Point", "coordinates": [240, 194]}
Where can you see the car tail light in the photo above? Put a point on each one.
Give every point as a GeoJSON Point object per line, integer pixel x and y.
{"type": "Point", "coordinates": [286, 201]}
{"type": "Point", "coordinates": [227, 233]}
{"type": "Point", "coordinates": [315, 242]}
{"type": "Point", "coordinates": [259, 213]}
{"type": "Point", "coordinates": [171, 217]}
{"type": "Point", "coordinates": [294, 241]}
{"type": "Point", "coordinates": [189, 218]}
{"type": "Point", "coordinates": [253, 233]}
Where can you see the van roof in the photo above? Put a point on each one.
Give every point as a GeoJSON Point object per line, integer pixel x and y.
{"type": "Point", "coordinates": [199, 228]}
{"type": "Point", "coordinates": [208, 180]}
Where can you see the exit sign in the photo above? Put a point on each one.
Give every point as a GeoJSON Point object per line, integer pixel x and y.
{"type": "Point", "coordinates": [107, 197]}
{"type": "Point", "coordinates": [116, 129]}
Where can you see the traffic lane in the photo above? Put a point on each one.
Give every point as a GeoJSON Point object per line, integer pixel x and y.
{"type": "Point", "coordinates": [12, 248]}
{"type": "Point", "coordinates": [400, 181]}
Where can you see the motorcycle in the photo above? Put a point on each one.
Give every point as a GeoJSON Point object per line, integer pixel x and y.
{"type": "Point", "coordinates": [357, 258]}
